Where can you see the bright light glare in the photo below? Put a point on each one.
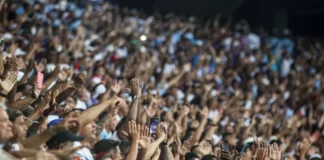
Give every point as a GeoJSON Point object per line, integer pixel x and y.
{"type": "Point", "coordinates": [143, 38]}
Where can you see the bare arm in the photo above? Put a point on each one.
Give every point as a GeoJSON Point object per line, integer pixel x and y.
{"type": "Point", "coordinates": [12, 93]}
{"type": "Point", "coordinates": [248, 130]}
{"type": "Point", "coordinates": [132, 113]}
{"type": "Point", "coordinates": [51, 79]}
{"type": "Point", "coordinates": [22, 103]}
{"type": "Point", "coordinates": [92, 113]}
{"type": "Point", "coordinates": [153, 146]}
{"type": "Point", "coordinates": [210, 132]}
{"type": "Point", "coordinates": [132, 155]}
{"type": "Point", "coordinates": [201, 127]}
{"type": "Point", "coordinates": [36, 141]}
{"type": "Point", "coordinates": [39, 109]}
{"type": "Point", "coordinates": [166, 153]}
{"type": "Point", "coordinates": [24, 153]}
{"type": "Point", "coordinates": [66, 93]}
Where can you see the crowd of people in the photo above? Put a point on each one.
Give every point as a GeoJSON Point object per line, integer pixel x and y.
{"type": "Point", "coordinates": [111, 83]}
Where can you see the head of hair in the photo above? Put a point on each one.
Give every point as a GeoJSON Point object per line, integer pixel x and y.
{"type": "Point", "coordinates": [209, 157]}
{"type": "Point", "coordinates": [124, 147]}
{"type": "Point", "coordinates": [13, 114]}
{"type": "Point", "coordinates": [190, 155]}
{"type": "Point", "coordinates": [106, 145]}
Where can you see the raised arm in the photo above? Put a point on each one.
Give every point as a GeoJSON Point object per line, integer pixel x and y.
{"type": "Point", "coordinates": [92, 113]}
{"type": "Point", "coordinates": [36, 141]}
{"type": "Point", "coordinates": [134, 135]}
{"type": "Point", "coordinates": [66, 93]}
{"type": "Point", "coordinates": [52, 78]}
{"type": "Point", "coordinates": [176, 79]}
{"type": "Point", "coordinates": [132, 113]}
{"type": "Point", "coordinates": [200, 129]}
{"type": "Point", "coordinates": [161, 134]}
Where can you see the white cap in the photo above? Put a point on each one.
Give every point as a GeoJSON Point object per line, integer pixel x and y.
{"type": "Point", "coordinates": [315, 156]}
{"type": "Point", "coordinates": [96, 80]}
{"type": "Point", "coordinates": [100, 89]}
{"type": "Point", "coordinates": [19, 52]}
{"type": "Point", "coordinates": [81, 105]}
{"type": "Point", "coordinates": [7, 36]}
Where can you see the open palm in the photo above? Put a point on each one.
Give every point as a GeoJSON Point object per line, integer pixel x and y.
{"type": "Point", "coordinates": [8, 83]}
{"type": "Point", "coordinates": [145, 139]}
{"type": "Point", "coordinates": [144, 142]}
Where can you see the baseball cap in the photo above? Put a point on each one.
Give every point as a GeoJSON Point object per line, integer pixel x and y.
{"type": "Point", "coordinates": [62, 137]}
{"type": "Point", "coordinates": [315, 156]}
{"type": "Point", "coordinates": [54, 122]}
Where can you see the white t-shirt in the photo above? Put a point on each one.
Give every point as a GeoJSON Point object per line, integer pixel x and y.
{"type": "Point", "coordinates": [84, 153]}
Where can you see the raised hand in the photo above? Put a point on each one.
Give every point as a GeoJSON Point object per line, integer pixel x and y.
{"type": "Point", "coordinates": [225, 155]}
{"type": "Point", "coordinates": [117, 86]}
{"type": "Point", "coordinates": [63, 74]}
{"type": "Point", "coordinates": [56, 71]}
{"type": "Point", "coordinates": [304, 146]}
{"type": "Point", "coordinates": [162, 130]}
{"type": "Point", "coordinates": [117, 101]}
{"type": "Point", "coordinates": [36, 90]}
{"type": "Point", "coordinates": [185, 110]}
{"type": "Point", "coordinates": [184, 148]}
{"type": "Point", "coordinates": [134, 131]}
{"type": "Point", "coordinates": [80, 79]}
{"type": "Point", "coordinates": [235, 154]}
{"type": "Point", "coordinates": [136, 88]}
{"type": "Point", "coordinates": [204, 112]}
{"type": "Point", "coordinates": [11, 65]}
{"type": "Point", "coordinates": [275, 153]}
{"type": "Point", "coordinates": [70, 123]}
{"type": "Point", "coordinates": [8, 83]}
{"type": "Point", "coordinates": [114, 110]}
{"type": "Point", "coordinates": [40, 67]}
{"type": "Point", "coordinates": [246, 157]}
{"type": "Point", "coordinates": [52, 102]}
{"type": "Point", "coordinates": [145, 138]}
{"type": "Point", "coordinates": [206, 147]}
{"type": "Point", "coordinates": [262, 152]}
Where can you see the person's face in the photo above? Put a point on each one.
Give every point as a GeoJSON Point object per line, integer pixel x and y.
{"type": "Point", "coordinates": [6, 126]}
{"type": "Point", "coordinates": [101, 71]}
{"type": "Point", "coordinates": [43, 126]}
{"type": "Point", "coordinates": [117, 155]}
{"type": "Point", "coordinates": [112, 123]}
{"type": "Point", "coordinates": [21, 62]}
{"type": "Point", "coordinates": [74, 114]}
{"type": "Point", "coordinates": [66, 145]}
{"type": "Point", "coordinates": [19, 128]}
{"type": "Point", "coordinates": [70, 103]}
{"type": "Point", "coordinates": [89, 131]}
{"type": "Point", "coordinates": [28, 90]}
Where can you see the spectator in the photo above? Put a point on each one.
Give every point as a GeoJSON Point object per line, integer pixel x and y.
{"type": "Point", "coordinates": [105, 82]}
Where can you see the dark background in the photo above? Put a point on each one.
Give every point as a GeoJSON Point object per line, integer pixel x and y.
{"type": "Point", "coordinates": [303, 17]}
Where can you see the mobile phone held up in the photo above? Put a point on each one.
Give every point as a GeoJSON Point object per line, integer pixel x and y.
{"type": "Point", "coordinates": [40, 78]}
{"type": "Point", "coordinates": [225, 147]}
{"type": "Point", "coordinates": [153, 125]}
